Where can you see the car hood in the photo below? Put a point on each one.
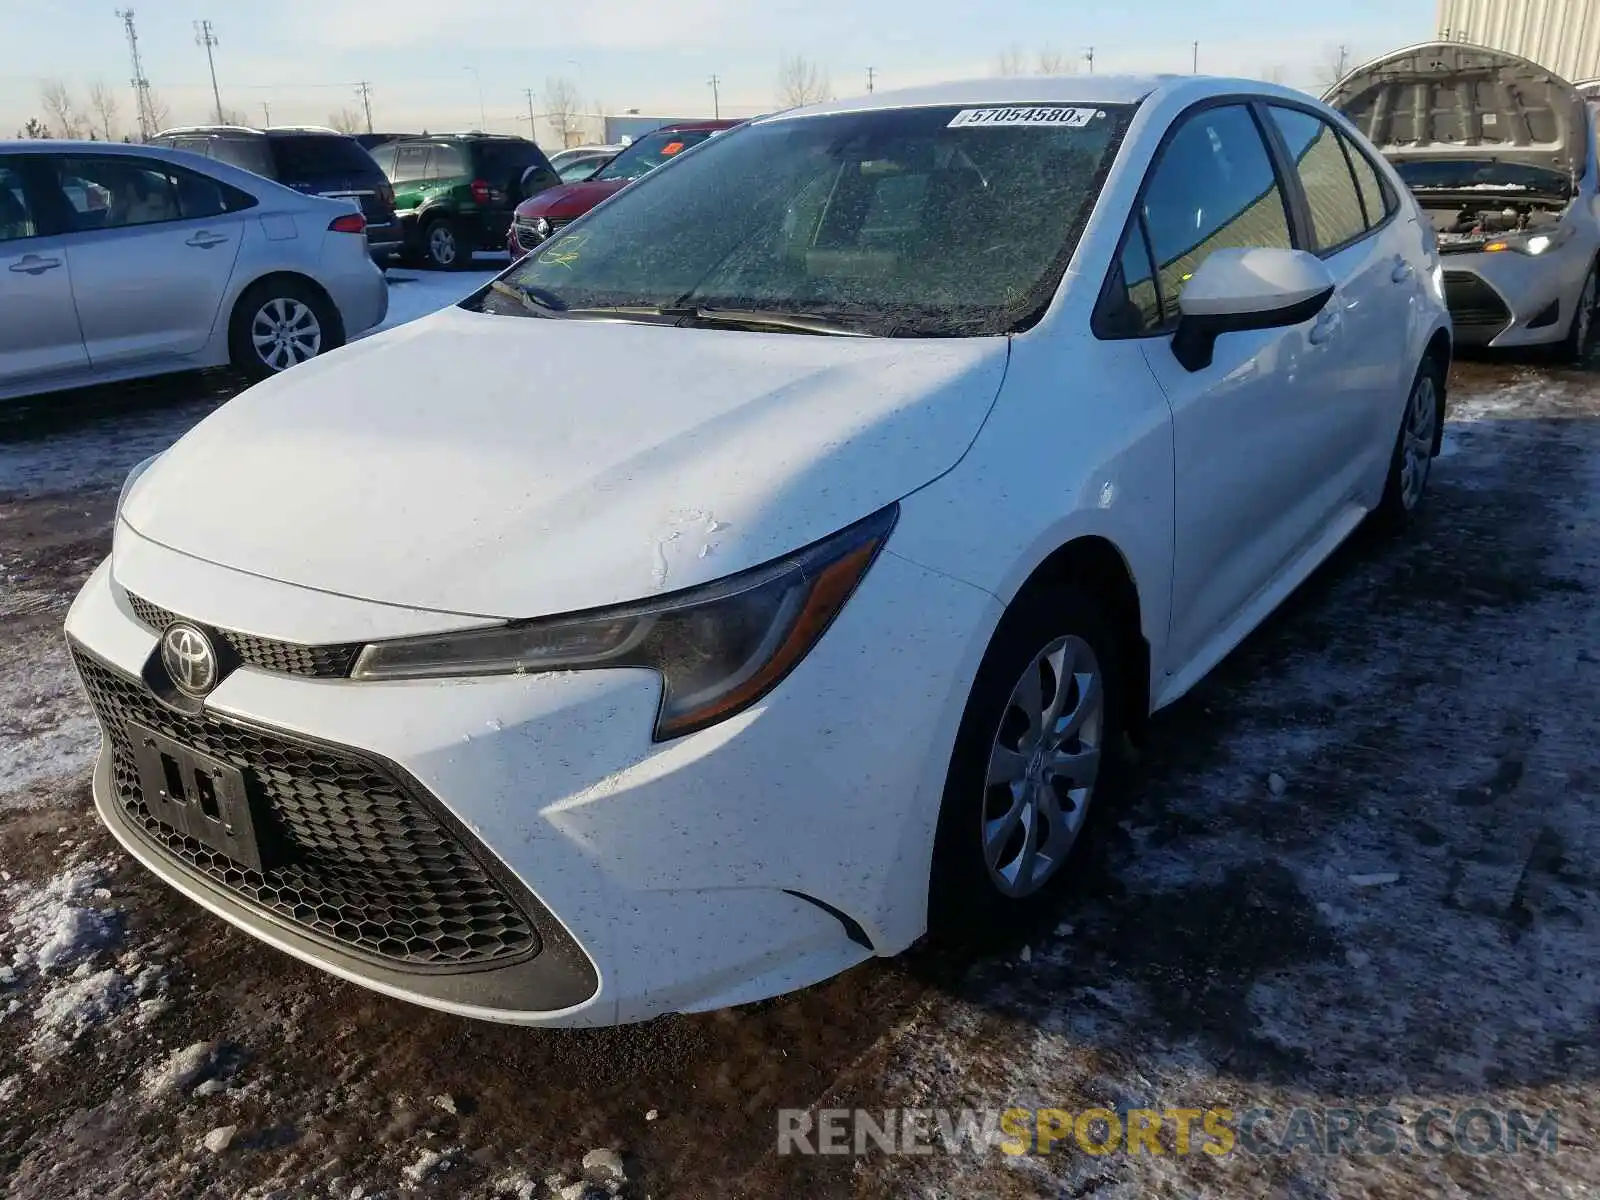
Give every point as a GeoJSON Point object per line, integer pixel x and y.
{"type": "Point", "coordinates": [1444, 100]}
{"type": "Point", "coordinates": [518, 467]}
{"type": "Point", "coordinates": [570, 199]}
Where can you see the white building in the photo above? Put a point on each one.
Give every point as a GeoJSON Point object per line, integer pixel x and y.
{"type": "Point", "coordinates": [1562, 35]}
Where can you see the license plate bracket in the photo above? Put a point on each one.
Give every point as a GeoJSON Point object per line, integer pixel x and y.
{"type": "Point", "coordinates": [199, 796]}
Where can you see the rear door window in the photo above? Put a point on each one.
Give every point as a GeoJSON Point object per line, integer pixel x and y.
{"type": "Point", "coordinates": [1375, 198]}
{"type": "Point", "coordinates": [312, 157]}
{"type": "Point", "coordinates": [1337, 216]}
{"type": "Point", "coordinates": [411, 162]}
{"type": "Point", "coordinates": [446, 162]}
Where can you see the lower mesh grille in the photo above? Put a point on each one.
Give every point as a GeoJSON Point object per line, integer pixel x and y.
{"type": "Point", "coordinates": [1474, 304]}
{"type": "Point", "coordinates": [360, 861]}
{"type": "Point", "coordinates": [317, 662]}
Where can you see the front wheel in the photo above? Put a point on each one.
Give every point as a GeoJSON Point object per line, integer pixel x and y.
{"type": "Point", "coordinates": [1412, 460]}
{"type": "Point", "coordinates": [1580, 331]}
{"type": "Point", "coordinates": [1037, 744]}
{"type": "Point", "coordinates": [280, 323]}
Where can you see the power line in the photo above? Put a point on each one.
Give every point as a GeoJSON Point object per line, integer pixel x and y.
{"type": "Point", "coordinates": [204, 37]}
{"type": "Point", "coordinates": [716, 96]}
{"type": "Point", "coordinates": [364, 90]}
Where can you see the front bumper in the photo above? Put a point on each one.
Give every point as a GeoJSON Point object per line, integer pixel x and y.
{"type": "Point", "coordinates": [1507, 299]}
{"type": "Point", "coordinates": [677, 874]}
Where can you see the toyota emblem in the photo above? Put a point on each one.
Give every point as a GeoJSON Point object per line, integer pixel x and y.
{"type": "Point", "coordinates": [189, 658]}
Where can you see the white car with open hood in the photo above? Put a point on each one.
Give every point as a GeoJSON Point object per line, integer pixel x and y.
{"type": "Point", "coordinates": [771, 566]}
{"type": "Point", "coordinates": [1500, 153]}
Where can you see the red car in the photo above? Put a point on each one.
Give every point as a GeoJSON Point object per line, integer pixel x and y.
{"type": "Point", "coordinates": [540, 216]}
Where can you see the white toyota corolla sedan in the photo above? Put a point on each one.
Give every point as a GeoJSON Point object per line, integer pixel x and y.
{"type": "Point", "coordinates": [770, 567]}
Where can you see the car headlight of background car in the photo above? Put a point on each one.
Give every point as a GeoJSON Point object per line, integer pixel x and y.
{"type": "Point", "coordinates": [718, 648]}
{"type": "Point", "coordinates": [1532, 244]}
{"type": "Point", "coordinates": [541, 228]}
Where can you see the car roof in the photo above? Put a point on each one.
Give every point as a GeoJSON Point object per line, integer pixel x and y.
{"type": "Point", "coordinates": [691, 126]}
{"type": "Point", "coordinates": [1032, 89]}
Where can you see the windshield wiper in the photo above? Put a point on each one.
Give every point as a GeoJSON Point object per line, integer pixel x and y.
{"type": "Point", "coordinates": [755, 318]}
{"type": "Point", "coordinates": [535, 299]}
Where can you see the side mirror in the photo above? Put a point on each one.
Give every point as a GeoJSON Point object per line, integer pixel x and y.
{"type": "Point", "coordinates": [1239, 289]}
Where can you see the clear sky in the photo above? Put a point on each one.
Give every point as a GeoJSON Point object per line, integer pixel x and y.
{"type": "Point", "coordinates": [303, 57]}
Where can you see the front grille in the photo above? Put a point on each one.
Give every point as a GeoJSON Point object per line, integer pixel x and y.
{"type": "Point", "coordinates": [528, 240]}
{"type": "Point", "coordinates": [289, 658]}
{"type": "Point", "coordinates": [1474, 304]}
{"type": "Point", "coordinates": [357, 858]}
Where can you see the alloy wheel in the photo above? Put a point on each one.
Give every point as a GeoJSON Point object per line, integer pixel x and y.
{"type": "Point", "coordinates": [1043, 766]}
{"type": "Point", "coordinates": [1416, 450]}
{"type": "Point", "coordinates": [284, 332]}
{"type": "Point", "coordinates": [442, 245]}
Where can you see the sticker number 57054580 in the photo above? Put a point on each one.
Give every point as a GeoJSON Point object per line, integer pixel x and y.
{"type": "Point", "coordinates": [1047, 114]}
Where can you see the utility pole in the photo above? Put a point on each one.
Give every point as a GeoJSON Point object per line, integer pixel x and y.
{"type": "Point", "coordinates": [204, 37]}
{"type": "Point", "coordinates": [715, 83]}
{"type": "Point", "coordinates": [1197, 58]}
{"type": "Point", "coordinates": [364, 90]}
{"type": "Point", "coordinates": [266, 113]}
{"type": "Point", "coordinates": [872, 74]}
{"type": "Point", "coordinates": [533, 132]}
{"type": "Point", "coordinates": [1088, 57]}
{"type": "Point", "coordinates": [141, 85]}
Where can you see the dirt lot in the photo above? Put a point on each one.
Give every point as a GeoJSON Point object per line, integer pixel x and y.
{"type": "Point", "coordinates": [1357, 869]}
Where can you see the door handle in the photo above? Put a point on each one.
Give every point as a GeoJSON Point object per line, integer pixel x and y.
{"type": "Point", "coordinates": [32, 264]}
{"type": "Point", "coordinates": [1402, 272]}
{"type": "Point", "coordinates": [205, 240]}
{"type": "Point", "coordinates": [1326, 328]}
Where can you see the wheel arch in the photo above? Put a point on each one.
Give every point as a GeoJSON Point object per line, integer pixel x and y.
{"type": "Point", "coordinates": [298, 277]}
{"type": "Point", "coordinates": [1095, 563]}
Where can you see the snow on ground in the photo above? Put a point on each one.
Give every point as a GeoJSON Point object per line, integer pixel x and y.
{"type": "Point", "coordinates": [414, 293]}
{"type": "Point", "coordinates": [65, 966]}
{"type": "Point", "coordinates": [46, 729]}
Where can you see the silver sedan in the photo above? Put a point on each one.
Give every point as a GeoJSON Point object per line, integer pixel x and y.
{"type": "Point", "coordinates": [122, 261]}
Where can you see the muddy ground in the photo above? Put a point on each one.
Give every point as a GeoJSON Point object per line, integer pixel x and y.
{"type": "Point", "coordinates": [1357, 869]}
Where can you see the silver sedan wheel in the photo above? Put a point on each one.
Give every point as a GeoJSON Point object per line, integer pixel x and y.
{"type": "Point", "coordinates": [1043, 767]}
{"type": "Point", "coordinates": [1416, 448]}
{"type": "Point", "coordinates": [1585, 314]}
{"type": "Point", "coordinates": [284, 332]}
{"type": "Point", "coordinates": [442, 244]}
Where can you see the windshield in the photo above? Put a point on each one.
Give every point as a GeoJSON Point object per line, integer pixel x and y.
{"type": "Point", "coordinates": [903, 221]}
{"type": "Point", "coordinates": [1481, 175]}
{"type": "Point", "coordinates": [651, 151]}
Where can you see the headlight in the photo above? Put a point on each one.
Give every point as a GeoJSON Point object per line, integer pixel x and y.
{"type": "Point", "coordinates": [718, 648]}
{"type": "Point", "coordinates": [1533, 244]}
{"type": "Point", "coordinates": [133, 478]}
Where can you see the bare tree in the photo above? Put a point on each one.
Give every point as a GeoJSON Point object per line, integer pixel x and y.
{"type": "Point", "coordinates": [801, 81]}
{"type": "Point", "coordinates": [59, 108]}
{"type": "Point", "coordinates": [160, 111]}
{"type": "Point", "coordinates": [346, 120]}
{"type": "Point", "coordinates": [103, 103]}
{"type": "Point", "coordinates": [1010, 62]}
{"type": "Point", "coordinates": [563, 109]}
{"type": "Point", "coordinates": [236, 116]}
{"type": "Point", "coordinates": [34, 129]}
{"type": "Point", "coordinates": [1053, 62]}
{"type": "Point", "coordinates": [1334, 66]}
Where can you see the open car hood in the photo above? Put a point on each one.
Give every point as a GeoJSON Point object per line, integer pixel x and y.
{"type": "Point", "coordinates": [1445, 100]}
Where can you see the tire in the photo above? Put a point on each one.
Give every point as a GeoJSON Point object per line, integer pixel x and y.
{"type": "Point", "coordinates": [1580, 330]}
{"type": "Point", "coordinates": [1411, 462]}
{"type": "Point", "coordinates": [279, 323]}
{"type": "Point", "coordinates": [981, 885]}
{"type": "Point", "coordinates": [444, 247]}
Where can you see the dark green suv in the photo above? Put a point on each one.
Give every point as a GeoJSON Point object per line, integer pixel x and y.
{"type": "Point", "coordinates": [455, 193]}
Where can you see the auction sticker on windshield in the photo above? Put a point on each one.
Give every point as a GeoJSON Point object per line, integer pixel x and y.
{"type": "Point", "coordinates": [1051, 114]}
